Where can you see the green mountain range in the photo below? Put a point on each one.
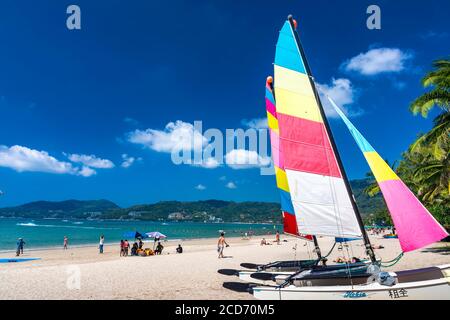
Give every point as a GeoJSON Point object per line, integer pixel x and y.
{"type": "Point", "coordinates": [208, 210]}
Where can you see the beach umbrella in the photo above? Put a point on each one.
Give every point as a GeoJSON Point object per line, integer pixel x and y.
{"type": "Point", "coordinates": [155, 234]}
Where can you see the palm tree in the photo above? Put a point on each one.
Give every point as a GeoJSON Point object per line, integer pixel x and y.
{"type": "Point", "coordinates": [439, 96]}
{"type": "Point", "coordinates": [428, 172]}
{"type": "Point", "coordinates": [439, 80]}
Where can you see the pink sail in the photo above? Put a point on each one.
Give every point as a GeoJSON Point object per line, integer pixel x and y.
{"type": "Point", "coordinates": [415, 226]}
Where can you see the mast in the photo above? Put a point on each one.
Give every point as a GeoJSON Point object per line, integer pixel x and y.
{"type": "Point", "coordinates": [314, 238]}
{"type": "Point", "coordinates": [366, 239]}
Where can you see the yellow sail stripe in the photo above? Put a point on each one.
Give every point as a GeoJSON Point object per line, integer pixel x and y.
{"type": "Point", "coordinates": [272, 122]}
{"type": "Point", "coordinates": [295, 96]}
{"type": "Point", "coordinates": [293, 81]}
{"type": "Point", "coordinates": [293, 104]}
{"type": "Point", "coordinates": [281, 178]}
{"type": "Point", "coordinates": [379, 167]}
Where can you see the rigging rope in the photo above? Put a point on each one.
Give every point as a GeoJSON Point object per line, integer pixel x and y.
{"type": "Point", "coordinates": [392, 262]}
{"type": "Point", "coordinates": [325, 256]}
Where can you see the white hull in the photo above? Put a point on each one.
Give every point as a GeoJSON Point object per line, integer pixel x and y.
{"type": "Point", "coordinates": [438, 289]}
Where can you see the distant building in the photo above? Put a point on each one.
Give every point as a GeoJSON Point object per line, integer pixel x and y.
{"type": "Point", "coordinates": [175, 216]}
{"type": "Point", "coordinates": [135, 214]}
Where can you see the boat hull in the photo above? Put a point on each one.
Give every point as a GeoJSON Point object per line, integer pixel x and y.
{"type": "Point", "coordinates": [435, 289]}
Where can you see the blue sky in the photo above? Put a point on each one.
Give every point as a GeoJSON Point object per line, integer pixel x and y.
{"type": "Point", "coordinates": [70, 101]}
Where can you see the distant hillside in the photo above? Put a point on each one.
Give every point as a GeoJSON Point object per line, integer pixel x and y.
{"type": "Point", "coordinates": [209, 210]}
{"type": "Point", "coordinates": [366, 204]}
{"type": "Point", "coordinates": [60, 209]}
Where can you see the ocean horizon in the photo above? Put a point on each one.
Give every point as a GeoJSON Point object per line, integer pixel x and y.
{"type": "Point", "coordinates": [49, 232]}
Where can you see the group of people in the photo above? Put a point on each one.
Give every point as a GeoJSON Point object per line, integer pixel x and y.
{"type": "Point", "coordinates": [137, 249]}
{"type": "Point", "coordinates": [264, 242]}
{"type": "Point", "coordinates": [382, 230]}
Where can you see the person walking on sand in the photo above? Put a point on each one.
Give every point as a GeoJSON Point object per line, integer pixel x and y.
{"type": "Point", "coordinates": [101, 243]}
{"type": "Point", "coordinates": [122, 248]}
{"type": "Point", "coordinates": [66, 242]}
{"type": "Point", "coordinates": [277, 237]}
{"type": "Point", "coordinates": [221, 245]}
{"type": "Point", "coordinates": [20, 244]}
{"type": "Point", "coordinates": [126, 245]}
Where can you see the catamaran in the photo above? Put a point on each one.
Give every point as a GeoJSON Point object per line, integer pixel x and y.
{"type": "Point", "coordinates": [322, 200]}
{"type": "Point", "coordinates": [283, 269]}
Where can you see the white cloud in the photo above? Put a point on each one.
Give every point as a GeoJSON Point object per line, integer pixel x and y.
{"type": "Point", "coordinates": [343, 93]}
{"type": "Point", "coordinates": [257, 123]}
{"type": "Point", "coordinates": [200, 187]}
{"type": "Point", "coordinates": [23, 159]}
{"type": "Point", "coordinates": [377, 61]}
{"type": "Point", "coordinates": [87, 172]}
{"type": "Point", "coordinates": [231, 185]}
{"type": "Point", "coordinates": [210, 163]}
{"type": "Point", "coordinates": [176, 135]}
{"type": "Point", "coordinates": [91, 161]}
{"type": "Point", "coordinates": [127, 161]}
{"type": "Point", "coordinates": [244, 159]}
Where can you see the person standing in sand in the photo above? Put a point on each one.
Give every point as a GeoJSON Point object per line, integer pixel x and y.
{"type": "Point", "coordinates": [221, 244]}
{"type": "Point", "coordinates": [126, 245]}
{"type": "Point", "coordinates": [20, 244]}
{"type": "Point", "coordinates": [101, 243]}
{"type": "Point", "coordinates": [66, 242]}
{"type": "Point", "coordinates": [277, 237]}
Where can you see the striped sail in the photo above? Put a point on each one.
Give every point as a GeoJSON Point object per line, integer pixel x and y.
{"type": "Point", "coordinates": [289, 220]}
{"type": "Point", "coordinates": [319, 196]}
{"type": "Point", "coordinates": [415, 226]}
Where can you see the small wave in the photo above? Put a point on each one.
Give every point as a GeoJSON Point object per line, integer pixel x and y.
{"type": "Point", "coordinates": [27, 224]}
{"type": "Point", "coordinates": [30, 224]}
{"type": "Point", "coordinates": [78, 222]}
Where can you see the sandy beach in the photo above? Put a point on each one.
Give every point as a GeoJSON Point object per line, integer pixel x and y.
{"type": "Point", "coordinates": [82, 273]}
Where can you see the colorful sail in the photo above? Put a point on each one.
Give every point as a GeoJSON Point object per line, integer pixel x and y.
{"type": "Point", "coordinates": [289, 220]}
{"type": "Point", "coordinates": [415, 226]}
{"type": "Point", "coordinates": [312, 176]}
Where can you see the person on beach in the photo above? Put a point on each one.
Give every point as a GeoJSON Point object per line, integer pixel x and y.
{"type": "Point", "coordinates": [20, 244]}
{"type": "Point", "coordinates": [155, 242]}
{"type": "Point", "coordinates": [134, 249]}
{"type": "Point", "coordinates": [179, 249]}
{"type": "Point", "coordinates": [159, 248]}
{"type": "Point", "coordinates": [126, 246]}
{"type": "Point", "coordinates": [141, 244]}
{"type": "Point", "coordinates": [101, 243]}
{"type": "Point", "coordinates": [221, 244]}
{"type": "Point", "coordinates": [66, 242]}
{"type": "Point", "coordinates": [277, 237]}
{"type": "Point", "coordinates": [122, 248]}
{"type": "Point", "coordinates": [263, 242]}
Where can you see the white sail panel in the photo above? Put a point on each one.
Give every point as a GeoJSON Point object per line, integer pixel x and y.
{"type": "Point", "coordinates": [322, 205]}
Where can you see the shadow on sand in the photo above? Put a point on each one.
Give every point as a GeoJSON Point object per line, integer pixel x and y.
{"type": "Point", "coordinates": [442, 250]}
{"type": "Point", "coordinates": [228, 272]}
{"type": "Point", "coordinates": [239, 286]}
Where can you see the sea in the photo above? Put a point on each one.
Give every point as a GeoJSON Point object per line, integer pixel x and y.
{"type": "Point", "coordinates": [49, 233]}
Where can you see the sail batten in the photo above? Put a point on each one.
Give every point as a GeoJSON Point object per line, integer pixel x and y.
{"type": "Point", "coordinates": [415, 226]}
{"type": "Point", "coordinates": [318, 192]}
